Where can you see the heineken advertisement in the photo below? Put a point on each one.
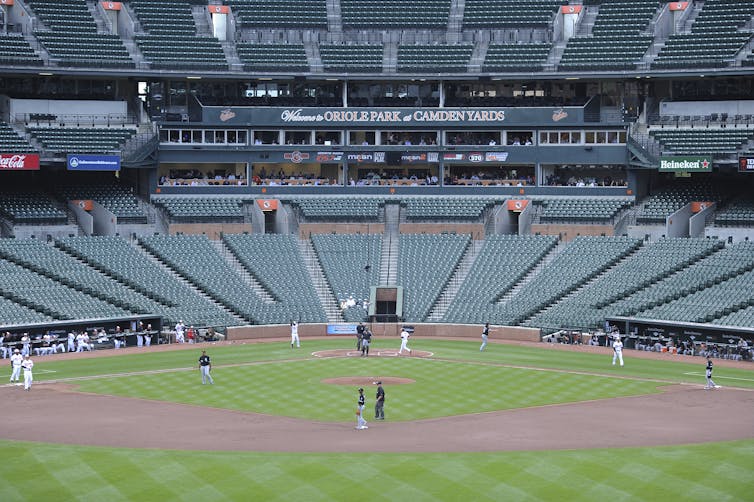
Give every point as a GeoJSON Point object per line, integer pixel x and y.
{"type": "Point", "coordinates": [391, 117]}
{"type": "Point", "coordinates": [686, 164]}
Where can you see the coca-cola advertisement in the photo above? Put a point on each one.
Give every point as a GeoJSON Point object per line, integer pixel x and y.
{"type": "Point", "coordinates": [19, 162]}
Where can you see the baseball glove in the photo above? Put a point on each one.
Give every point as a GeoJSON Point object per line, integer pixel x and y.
{"type": "Point", "coordinates": [358, 412]}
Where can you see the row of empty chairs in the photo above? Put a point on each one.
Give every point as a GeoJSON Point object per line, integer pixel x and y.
{"type": "Point", "coordinates": [31, 208]}
{"type": "Point", "coordinates": [198, 209]}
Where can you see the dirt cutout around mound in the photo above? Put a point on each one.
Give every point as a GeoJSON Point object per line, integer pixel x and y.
{"type": "Point", "coordinates": [373, 353]}
{"type": "Point", "coordinates": [362, 381]}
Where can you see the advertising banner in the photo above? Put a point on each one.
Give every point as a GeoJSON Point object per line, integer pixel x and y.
{"type": "Point", "coordinates": [19, 162]}
{"type": "Point", "coordinates": [517, 205]}
{"type": "Point", "coordinates": [341, 329]}
{"type": "Point", "coordinates": [267, 204]}
{"type": "Point", "coordinates": [698, 206]}
{"type": "Point", "coordinates": [746, 165]}
{"type": "Point", "coordinates": [111, 5]}
{"type": "Point", "coordinates": [570, 9]}
{"type": "Point", "coordinates": [678, 5]}
{"type": "Point", "coordinates": [86, 204]}
{"type": "Point", "coordinates": [391, 117]}
{"type": "Point", "coordinates": [218, 9]}
{"type": "Point", "coordinates": [686, 163]}
{"type": "Point", "coordinates": [93, 163]}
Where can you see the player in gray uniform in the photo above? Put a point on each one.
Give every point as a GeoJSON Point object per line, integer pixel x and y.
{"type": "Point", "coordinates": [366, 339]}
{"type": "Point", "coordinates": [205, 365]}
{"type": "Point", "coordinates": [708, 373]}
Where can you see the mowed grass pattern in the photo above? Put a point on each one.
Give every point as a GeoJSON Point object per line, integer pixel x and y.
{"type": "Point", "coordinates": [441, 388]}
{"type": "Point", "coordinates": [720, 471]}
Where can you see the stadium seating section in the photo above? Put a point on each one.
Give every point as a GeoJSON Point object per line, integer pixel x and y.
{"type": "Point", "coordinates": [276, 262]}
{"type": "Point", "coordinates": [714, 40]}
{"type": "Point", "coordinates": [281, 14]}
{"type": "Point", "coordinates": [72, 38]}
{"type": "Point", "coordinates": [12, 142]}
{"type": "Point", "coordinates": [657, 207]}
{"type": "Point", "coordinates": [125, 263]}
{"type": "Point", "coordinates": [701, 141]}
{"type": "Point", "coordinates": [425, 265]}
{"type": "Point", "coordinates": [519, 57]}
{"type": "Point", "coordinates": [502, 262]}
{"type": "Point", "coordinates": [492, 14]}
{"type": "Point", "coordinates": [17, 51]}
{"type": "Point", "coordinates": [335, 208]}
{"type": "Point", "coordinates": [116, 198]}
{"type": "Point", "coordinates": [434, 58]}
{"type": "Point", "coordinates": [31, 208]}
{"type": "Point", "coordinates": [171, 41]}
{"type": "Point", "coordinates": [60, 141]}
{"type": "Point", "coordinates": [272, 57]}
{"type": "Point", "coordinates": [199, 209]}
{"type": "Point", "coordinates": [617, 41]}
{"type": "Point", "coordinates": [344, 259]}
{"type": "Point", "coordinates": [739, 213]}
{"type": "Point", "coordinates": [371, 14]}
{"type": "Point", "coordinates": [575, 210]}
{"type": "Point", "coordinates": [445, 208]}
{"type": "Point", "coordinates": [352, 58]}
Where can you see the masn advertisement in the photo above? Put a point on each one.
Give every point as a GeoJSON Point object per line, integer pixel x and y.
{"type": "Point", "coordinates": [93, 163]}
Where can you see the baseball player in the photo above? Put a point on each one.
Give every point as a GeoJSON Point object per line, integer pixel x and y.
{"type": "Point", "coordinates": [359, 334]}
{"type": "Point", "coordinates": [366, 339]}
{"type": "Point", "coordinates": [27, 365]}
{"type": "Point", "coordinates": [617, 349]}
{"type": "Point", "coordinates": [404, 341]}
{"type": "Point", "coordinates": [485, 335]}
{"type": "Point", "coordinates": [360, 422]}
{"type": "Point", "coordinates": [179, 332]}
{"type": "Point", "coordinates": [205, 365]}
{"type": "Point", "coordinates": [294, 334]}
{"type": "Point", "coordinates": [708, 373]}
{"type": "Point", "coordinates": [15, 361]}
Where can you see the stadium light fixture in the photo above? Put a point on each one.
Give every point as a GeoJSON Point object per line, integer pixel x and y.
{"type": "Point", "coordinates": [193, 77]}
{"type": "Point", "coordinates": [45, 74]}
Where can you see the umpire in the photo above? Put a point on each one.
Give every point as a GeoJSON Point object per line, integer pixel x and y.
{"type": "Point", "coordinates": [379, 403]}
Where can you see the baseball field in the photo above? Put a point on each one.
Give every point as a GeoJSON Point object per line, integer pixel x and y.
{"type": "Point", "coordinates": [515, 422]}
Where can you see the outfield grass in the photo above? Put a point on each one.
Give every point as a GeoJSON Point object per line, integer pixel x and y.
{"type": "Point", "coordinates": [710, 472]}
{"type": "Point", "coordinates": [269, 377]}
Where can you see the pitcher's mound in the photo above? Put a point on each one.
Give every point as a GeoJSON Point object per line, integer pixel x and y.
{"type": "Point", "coordinates": [372, 353]}
{"type": "Point", "coordinates": [367, 380]}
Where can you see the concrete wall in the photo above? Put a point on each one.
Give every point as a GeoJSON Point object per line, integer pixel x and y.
{"type": "Point", "coordinates": [306, 229]}
{"type": "Point", "coordinates": [387, 331]}
{"type": "Point", "coordinates": [698, 221]}
{"type": "Point", "coordinates": [475, 229]}
{"type": "Point", "coordinates": [85, 220]}
{"type": "Point", "coordinates": [105, 222]}
{"type": "Point", "coordinates": [678, 222]}
{"type": "Point", "coordinates": [212, 230]}
{"type": "Point", "coordinates": [569, 232]}
{"type": "Point", "coordinates": [42, 231]}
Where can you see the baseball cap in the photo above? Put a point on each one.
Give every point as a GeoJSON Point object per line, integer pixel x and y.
{"type": "Point", "coordinates": [379, 383]}
{"type": "Point", "coordinates": [361, 390]}
{"type": "Point", "coordinates": [16, 351]}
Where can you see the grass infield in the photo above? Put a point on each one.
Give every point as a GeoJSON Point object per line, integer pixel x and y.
{"type": "Point", "coordinates": [272, 378]}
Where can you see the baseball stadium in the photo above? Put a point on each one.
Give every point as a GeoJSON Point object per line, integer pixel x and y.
{"type": "Point", "coordinates": [524, 229]}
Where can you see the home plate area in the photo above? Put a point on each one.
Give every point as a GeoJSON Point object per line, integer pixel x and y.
{"type": "Point", "coordinates": [372, 353]}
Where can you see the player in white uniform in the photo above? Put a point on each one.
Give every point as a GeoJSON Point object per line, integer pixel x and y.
{"type": "Point", "coordinates": [404, 341]}
{"type": "Point", "coordinates": [27, 365]}
{"type": "Point", "coordinates": [15, 361]}
{"type": "Point", "coordinates": [179, 328]}
{"type": "Point", "coordinates": [294, 334]}
{"type": "Point", "coordinates": [618, 350]}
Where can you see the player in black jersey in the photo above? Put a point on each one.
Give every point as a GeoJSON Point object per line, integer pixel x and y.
{"type": "Point", "coordinates": [360, 422]}
{"type": "Point", "coordinates": [708, 374]}
{"type": "Point", "coordinates": [205, 365]}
